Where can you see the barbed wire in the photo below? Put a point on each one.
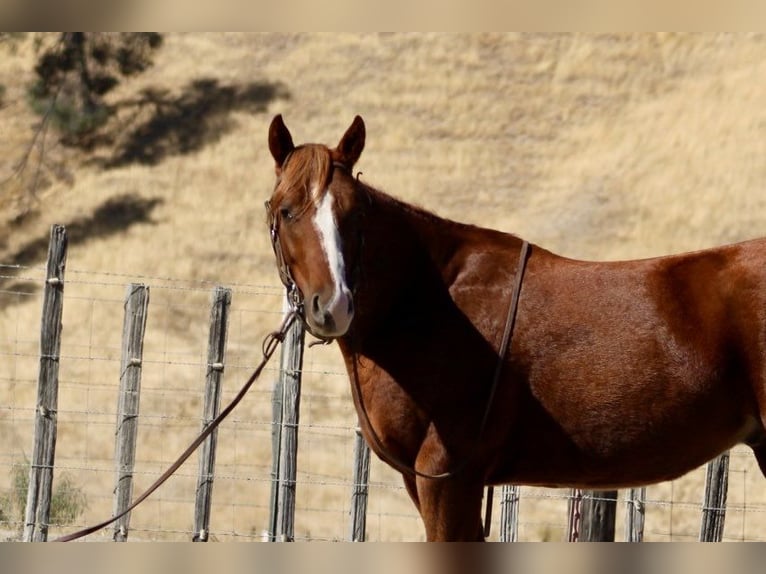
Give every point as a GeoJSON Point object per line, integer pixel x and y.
{"type": "Point", "coordinates": [155, 281]}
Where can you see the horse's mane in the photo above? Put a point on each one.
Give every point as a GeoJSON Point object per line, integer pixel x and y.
{"type": "Point", "coordinates": [412, 209]}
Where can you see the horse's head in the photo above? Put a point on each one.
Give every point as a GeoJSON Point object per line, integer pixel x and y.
{"type": "Point", "coordinates": [310, 214]}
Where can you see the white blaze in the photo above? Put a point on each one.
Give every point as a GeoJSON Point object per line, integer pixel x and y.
{"type": "Point", "coordinates": [329, 238]}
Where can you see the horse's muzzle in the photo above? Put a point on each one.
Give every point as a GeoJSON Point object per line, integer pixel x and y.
{"type": "Point", "coordinates": [330, 318]}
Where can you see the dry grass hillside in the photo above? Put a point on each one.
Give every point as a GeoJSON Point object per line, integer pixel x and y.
{"type": "Point", "coordinates": [597, 147]}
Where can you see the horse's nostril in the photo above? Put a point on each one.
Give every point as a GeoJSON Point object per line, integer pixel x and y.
{"type": "Point", "coordinates": [350, 309]}
{"type": "Point", "coordinates": [316, 308]}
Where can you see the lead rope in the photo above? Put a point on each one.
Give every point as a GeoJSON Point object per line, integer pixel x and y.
{"type": "Point", "coordinates": [507, 333]}
{"type": "Point", "coordinates": [270, 344]}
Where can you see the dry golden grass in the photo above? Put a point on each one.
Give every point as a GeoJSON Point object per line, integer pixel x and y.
{"type": "Point", "coordinates": [602, 147]}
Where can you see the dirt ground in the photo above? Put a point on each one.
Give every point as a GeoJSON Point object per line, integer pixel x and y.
{"type": "Point", "coordinates": [593, 146]}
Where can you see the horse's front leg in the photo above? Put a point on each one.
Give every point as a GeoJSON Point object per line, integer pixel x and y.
{"type": "Point", "coordinates": [451, 508]}
{"type": "Point", "coordinates": [411, 485]}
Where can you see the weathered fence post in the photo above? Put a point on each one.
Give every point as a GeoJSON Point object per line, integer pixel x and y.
{"type": "Point", "coordinates": [574, 515]}
{"type": "Point", "coordinates": [598, 513]}
{"type": "Point", "coordinates": [509, 513]}
{"type": "Point", "coordinates": [216, 357]}
{"type": "Point", "coordinates": [634, 515]}
{"type": "Point", "coordinates": [291, 365]}
{"type": "Point", "coordinates": [133, 329]}
{"type": "Point", "coordinates": [714, 504]}
{"type": "Point", "coordinates": [276, 442]}
{"type": "Point", "coordinates": [37, 511]}
{"type": "Point", "coordinates": [360, 488]}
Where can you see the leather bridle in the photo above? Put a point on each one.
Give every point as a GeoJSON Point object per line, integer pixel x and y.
{"type": "Point", "coordinates": [294, 295]}
{"type": "Point", "coordinates": [295, 298]}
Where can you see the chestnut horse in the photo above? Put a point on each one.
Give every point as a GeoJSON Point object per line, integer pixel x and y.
{"type": "Point", "coordinates": [617, 374]}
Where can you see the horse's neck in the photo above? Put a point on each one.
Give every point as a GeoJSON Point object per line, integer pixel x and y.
{"type": "Point", "coordinates": [403, 256]}
{"type": "Point", "coordinates": [423, 233]}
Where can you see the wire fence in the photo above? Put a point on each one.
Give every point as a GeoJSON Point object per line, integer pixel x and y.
{"type": "Point", "coordinates": [171, 413]}
{"type": "Point", "coordinates": [174, 366]}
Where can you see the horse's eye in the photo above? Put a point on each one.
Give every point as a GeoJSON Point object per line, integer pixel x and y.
{"type": "Point", "coordinates": [285, 213]}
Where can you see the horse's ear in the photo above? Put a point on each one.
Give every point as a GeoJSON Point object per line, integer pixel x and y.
{"type": "Point", "coordinates": [280, 140]}
{"type": "Point", "coordinates": [351, 144]}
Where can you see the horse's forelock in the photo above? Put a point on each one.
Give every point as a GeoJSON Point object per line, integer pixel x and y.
{"type": "Point", "coordinates": [308, 169]}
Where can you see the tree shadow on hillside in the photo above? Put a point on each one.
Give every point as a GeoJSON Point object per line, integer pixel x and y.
{"type": "Point", "coordinates": [113, 216]}
{"type": "Point", "coordinates": [162, 125]}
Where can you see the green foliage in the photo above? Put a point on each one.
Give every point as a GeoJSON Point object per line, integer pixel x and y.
{"type": "Point", "coordinates": [68, 501]}
{"type": "Point", "coordinates": [76, 70]}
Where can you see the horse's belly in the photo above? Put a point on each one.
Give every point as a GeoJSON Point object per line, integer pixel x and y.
{"type": "Point", "coordinates": [612, 458]}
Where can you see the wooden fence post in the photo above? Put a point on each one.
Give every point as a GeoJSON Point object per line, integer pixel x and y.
{"type": "Point", "coordinates": [598, 511]}
{"type": "Point", "coordinates": [360, 488]}
{"type": "Point", "coordinates": [134, 327]}
{"type": "Point", "coordinates": [216, 357]}
{"type": "Point", "coordinates": [37, 511]}
{"type": "Point", "coordinates": [574, 514]}
{"type": "Point", "coordinates": [634, 515]}
{"type": "Point", "coordinates": [714, 504]}
{"type": "Point", "coordinates": [509, 512]}
{"type": "Point", "coordinates": [291, 365]}
{"type": "Point", "coordinates": [276, 442]}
